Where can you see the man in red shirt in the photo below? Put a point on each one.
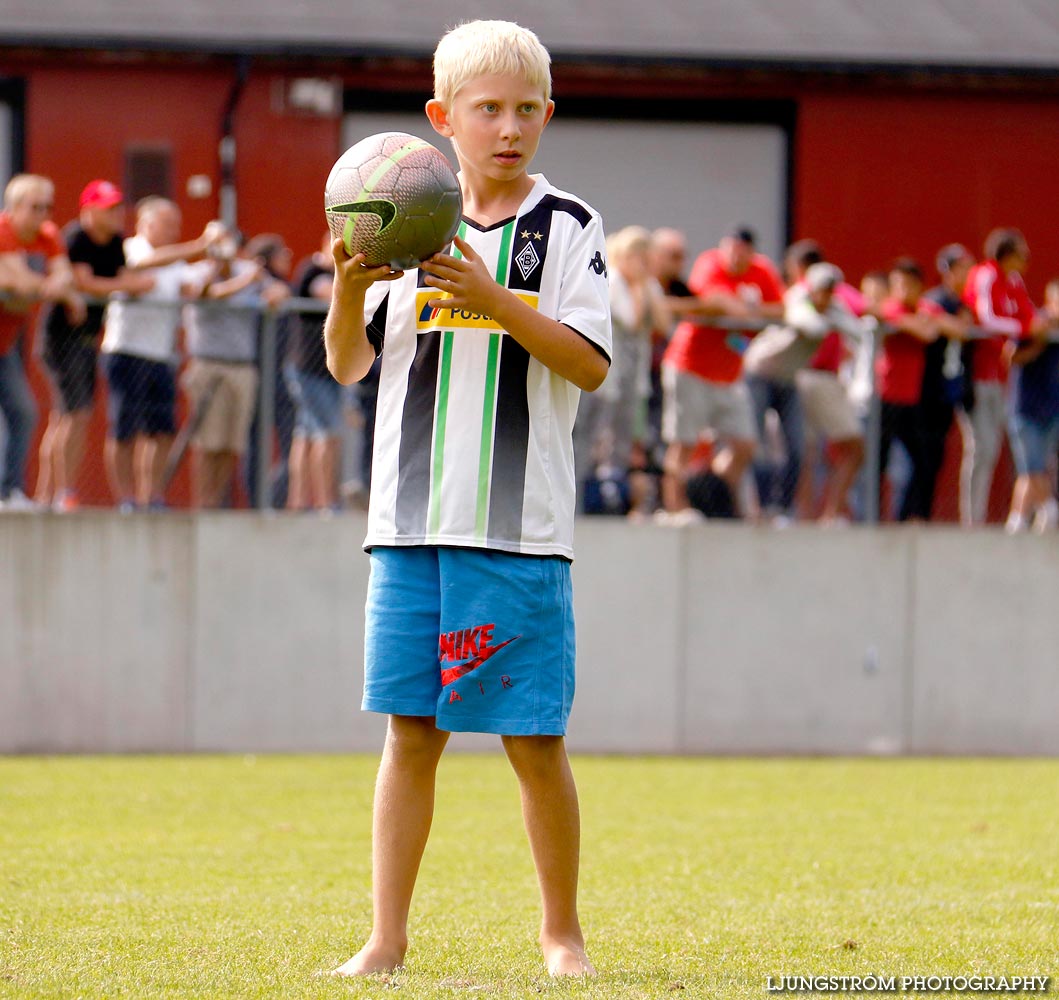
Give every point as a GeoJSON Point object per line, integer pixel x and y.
{"type": "Point", "coordinates": [701, 369]}
{"type": "Point", "coordinates": [1002, 308]}
{"type": "Point", "coordinates": [33, 257]}
{"type": "Point", "coordinates": [914, 322]}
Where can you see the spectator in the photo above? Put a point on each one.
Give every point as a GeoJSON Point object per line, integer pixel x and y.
{"type": "Point", "coordinates": [317, 396]}
{"type": "Point", "coordinates": [35, 267]}
{"type": "Point", "coordinates": [830, 415]}
{"type": "Point", "coordinates": [946, 382]}
{"type": "Point", "coordinates": [701, 370]}
{"type": "Point", "coordinates": [276, 259]}
{"type": "Point", "coordinates": [899, 368]}
{"type": "Point", "coordinates": [666, 260]}
{"type": "Point", "coordinates": [813, 312]}
{"type": "Point", "coordinates": [139, 354]}
{"type": "Point", "coordinates": [221, 376]}
{"type": "Point", "coordinates": [1002, 310]}
{"type": "Point", "coordinates": [94, 245]}
{"type": "Point", "coordinates": [615, 411]}
{"type": "Point", "coordinates": [1034, 422]}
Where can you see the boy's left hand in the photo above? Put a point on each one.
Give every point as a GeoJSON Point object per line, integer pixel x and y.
{"type": "Point", "coordinates": [465, 280]}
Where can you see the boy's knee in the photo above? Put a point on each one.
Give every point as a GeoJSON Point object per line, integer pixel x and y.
{"type": "Point", "coordinates": [535, 755]}
{"type": "Point", "coordinates": [415, 737]}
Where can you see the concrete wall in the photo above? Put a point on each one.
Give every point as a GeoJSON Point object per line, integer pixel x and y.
{"type": "Point", "coordinates": [238, 632]}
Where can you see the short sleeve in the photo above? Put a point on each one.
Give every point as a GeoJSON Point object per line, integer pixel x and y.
{"type": "Point", "coordinates": [584, 295]}
{"type": "Point", "coordinates": [769, 280]}
{"type": "Point", "coordinates": [376, 300]}
{"type": "Point", "coordinates": [55, 246]}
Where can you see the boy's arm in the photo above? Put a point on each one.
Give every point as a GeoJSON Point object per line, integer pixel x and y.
{"type": "Point", "coordinates": [466, 283]}
{"type": "Point", "coordinates": [350, 354]}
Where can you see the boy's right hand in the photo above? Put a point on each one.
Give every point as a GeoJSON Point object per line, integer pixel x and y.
{"type": "Point", "coordinates": [353, 273]}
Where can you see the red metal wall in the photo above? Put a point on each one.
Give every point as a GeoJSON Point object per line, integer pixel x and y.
{"type": "Point", "coordinates": [80, 120]}
{"type": "Point", "coordinates": [881, 175]}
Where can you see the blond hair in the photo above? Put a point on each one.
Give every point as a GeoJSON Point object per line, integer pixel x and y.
{"type": "Point", "coordinates": [631, 239]}
{"type": "Point", "coordinates": [480, 48]}
{"type": "Point", "coordinates": [23, 186]}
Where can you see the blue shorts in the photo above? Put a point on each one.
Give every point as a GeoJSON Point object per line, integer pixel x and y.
{"type": "Point", "coordinates": [317, 401]}
{"type": "Point", "coordinates": [142, 396]}
{"type": "Point", "coordinates": [1033, 443]}
{"type": "Point", "coordinates": [482, 641]}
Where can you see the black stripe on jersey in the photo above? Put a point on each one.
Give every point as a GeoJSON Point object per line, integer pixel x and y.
{"type": "Point", "coordinates": [532, 234]}
{"type": "Point", "coordinates": [376, 329]}
{"type": "Point", "coordinates": [553, 204]}
{"type": "Point", "coordinates": [510, 443]}
{"type": "Point", "coordinates": [417, 431]}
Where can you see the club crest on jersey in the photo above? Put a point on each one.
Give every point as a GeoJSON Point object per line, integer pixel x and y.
{"type": "Point", "coordinates": [441, 318]}
{"type": "Point", "coordinates": [527, 260]}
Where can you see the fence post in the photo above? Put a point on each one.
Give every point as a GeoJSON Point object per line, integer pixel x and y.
{"type": "Point", "coordinates": [266, 409]}
{"type": "Point", "coordinates": [872, 438]}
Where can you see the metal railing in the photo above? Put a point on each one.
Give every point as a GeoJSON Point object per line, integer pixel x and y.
{"type": "Point", "coordinates": [268, 364]}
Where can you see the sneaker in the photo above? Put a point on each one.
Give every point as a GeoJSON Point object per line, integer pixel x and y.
{"type": "Point", "coordinates": [1016, 525]}
{"type": "Point", "coordinates": [66, 503]}
{"type": "Point", "coordinates": [16, 500]}
{"type": "Point", "coordinates": [156, 506]}
{"type": "Point", "coordinates": [679, 518]}
{"type": "Point", "coordinates": [1046, 518]}
{"type": "Point", "coordinates": [126, 507]}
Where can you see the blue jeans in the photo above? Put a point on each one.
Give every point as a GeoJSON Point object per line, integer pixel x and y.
{"type": "Point", "coordinates": [776, 484]}
{"type": "Point", "coordinates": [20, 416]}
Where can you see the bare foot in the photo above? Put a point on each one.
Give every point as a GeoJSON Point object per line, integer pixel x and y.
{"type": "Point", "coordinates": [566, 957]}
{"type": "Point", "coordinates": [370, 959]}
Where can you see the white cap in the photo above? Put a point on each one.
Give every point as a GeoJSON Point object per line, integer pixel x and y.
{"type": "Point", "coordinates": [823, 276]}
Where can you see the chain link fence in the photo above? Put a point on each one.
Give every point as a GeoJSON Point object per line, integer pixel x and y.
{"type": "Point", "coordinates": [306, 441]}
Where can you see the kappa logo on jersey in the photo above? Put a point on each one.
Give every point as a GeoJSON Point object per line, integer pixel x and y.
{"type": "Point", "coordinates": [434, 318]}
{"type": "Point", "coordinates": [598, 264]}
{"type": "Point", "coordinates": [467, 649]}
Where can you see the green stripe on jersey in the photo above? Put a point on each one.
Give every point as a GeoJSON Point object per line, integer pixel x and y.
{"type": "Point", "coordinates": [485, 450]}
{"type": "Point", "coordinates": [438, 461]}
{"type": "Point", "coordinates": [438, 467]}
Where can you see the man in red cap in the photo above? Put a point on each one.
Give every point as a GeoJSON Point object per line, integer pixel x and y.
{"type": "Point", "coordinates": [94, 243]}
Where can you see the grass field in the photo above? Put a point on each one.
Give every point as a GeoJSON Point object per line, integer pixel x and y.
{"type": "Point", "coordinates": [218, 877]}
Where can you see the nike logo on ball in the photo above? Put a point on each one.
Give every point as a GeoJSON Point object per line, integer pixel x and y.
{"type": "Point", "coordinates": [385, 210]}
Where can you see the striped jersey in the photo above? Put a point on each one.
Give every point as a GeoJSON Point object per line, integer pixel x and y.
{"type": "Point", "coordinates": [473, 436]}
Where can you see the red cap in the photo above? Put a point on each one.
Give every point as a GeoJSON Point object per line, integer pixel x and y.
{"type": "Point", "coordinates": [101, 194]}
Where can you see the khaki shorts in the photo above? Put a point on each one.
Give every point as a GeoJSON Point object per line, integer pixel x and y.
{"type": "Point", "coordinates": [229, 412]}
{"type": "Point", "coordinates": [829, 413]}
{"type": "Point", "coordinates": [691, 406]}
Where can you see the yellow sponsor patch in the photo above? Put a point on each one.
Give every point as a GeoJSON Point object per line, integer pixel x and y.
{"type": "Point", "coordinates": [428, 318]}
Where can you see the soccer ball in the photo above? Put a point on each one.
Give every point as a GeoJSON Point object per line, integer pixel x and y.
{"type": "Point", "coordinates": [395, 198]}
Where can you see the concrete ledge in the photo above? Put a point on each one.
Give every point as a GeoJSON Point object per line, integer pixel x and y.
{"type": "Point", "coordinates": [244, 632]}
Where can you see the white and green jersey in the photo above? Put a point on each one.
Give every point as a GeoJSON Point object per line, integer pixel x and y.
{"type": "Point", "coordinates": [472, 435]}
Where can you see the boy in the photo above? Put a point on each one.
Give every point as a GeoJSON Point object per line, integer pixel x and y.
{"type": "Point", "coordinates": [469, 611]}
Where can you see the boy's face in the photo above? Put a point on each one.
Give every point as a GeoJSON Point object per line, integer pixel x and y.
{"type": "Point", "coordinates": [495, 123]}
